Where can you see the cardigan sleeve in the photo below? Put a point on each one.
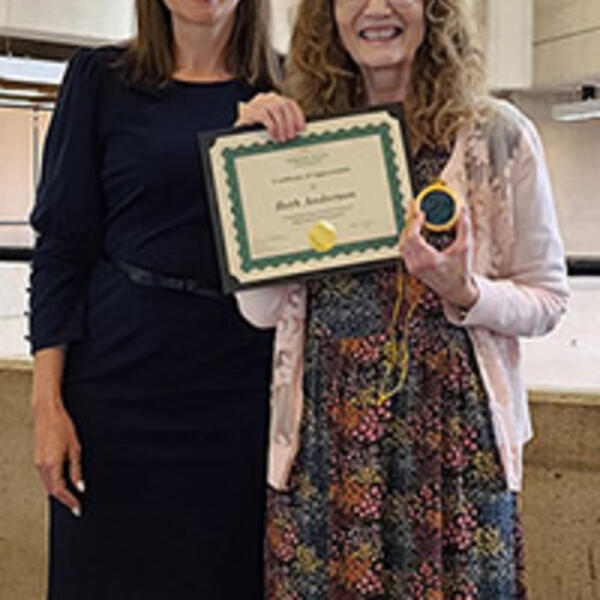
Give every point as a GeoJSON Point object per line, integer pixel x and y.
{"type": "Point", "coordinates": [263, 306]}
{"type": "Point", "coordinates": [532, 296]}
{"type": "Point", "coordinates": [68, 213]}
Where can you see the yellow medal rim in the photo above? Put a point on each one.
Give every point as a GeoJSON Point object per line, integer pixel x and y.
{"type": "Point", "coordinates": [440, 186]}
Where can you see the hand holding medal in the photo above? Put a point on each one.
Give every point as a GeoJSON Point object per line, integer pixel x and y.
{"type": "Point", "coordinates": [447, 272]}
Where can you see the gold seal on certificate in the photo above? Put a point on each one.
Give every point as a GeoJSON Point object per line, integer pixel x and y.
{"type": "Point", "coordinates": [322, 236]}
{"type": "Point", "coordinates": [441, 206]}
{"type": "Point", "coordinates": [332, 198]}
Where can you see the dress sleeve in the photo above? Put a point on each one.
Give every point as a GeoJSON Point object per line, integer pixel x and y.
{"type": "Point", "coordinates": [532, 297]}
{"type": "Point", "coordinates": [68, 213]}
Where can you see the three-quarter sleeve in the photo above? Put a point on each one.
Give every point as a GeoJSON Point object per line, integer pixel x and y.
{"type": "Point", "coordinates": [68, 213]}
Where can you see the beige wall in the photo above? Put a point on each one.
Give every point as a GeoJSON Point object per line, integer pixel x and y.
{"type": "Point", "coordinates": [96, 22]}
{"type": "Point", "coordinates": [509, 43]}
{"type": "Point", "coordinates": [17, 151]}
{"type": "Point", "coordinates": [567, 41]}
{"type": "Point", "coordinates": [566, 32]}
{"type": "Point", "coordinates": [14, 300]}
{"type": "Point", "coordinates": [283, 14]}
{"type": "Point", "coordinates": [541, 42]}
{"type": "Point", "coordinates": [16, 162]}
{"type": "Point", "coordinates": [73, 21]}
{"type": "Point", "coordinates": [573, 154]}
{"type": "Point", "coordinates": [569, 357]}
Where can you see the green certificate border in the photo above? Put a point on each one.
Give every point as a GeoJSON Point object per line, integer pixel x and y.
{"type": "Point", "coordinates": [230, 155]}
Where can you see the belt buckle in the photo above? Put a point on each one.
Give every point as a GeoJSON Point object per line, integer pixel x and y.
{"type": "Point", "coordinates": [175, 284]}
{"type": "Point", "coordinates": [190, 286]}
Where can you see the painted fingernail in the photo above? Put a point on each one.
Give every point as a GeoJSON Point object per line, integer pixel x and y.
{"type": "Point", "coordinates": [76, 511]}
{"type": "Point", "coordinates": [80, 485]}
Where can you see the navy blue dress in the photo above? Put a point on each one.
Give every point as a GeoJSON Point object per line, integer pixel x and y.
{"type": "Point", "coordinates": [167, 390]}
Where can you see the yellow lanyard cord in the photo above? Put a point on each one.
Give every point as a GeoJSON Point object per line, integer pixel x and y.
{"type": "Point", "coordinates": [397, 354]}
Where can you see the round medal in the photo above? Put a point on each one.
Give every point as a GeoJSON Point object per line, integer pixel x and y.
{"type": "Point", "coordinates": [322, 236]}
{"type": "Point", "coordinates": [441, 206]}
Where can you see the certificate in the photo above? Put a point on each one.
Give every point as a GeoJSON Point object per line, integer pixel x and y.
{"type": "Point", "coordinates": [332, 198]}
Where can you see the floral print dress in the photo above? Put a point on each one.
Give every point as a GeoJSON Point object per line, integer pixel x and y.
{"type": "Point", "coordinates": [398, 490]}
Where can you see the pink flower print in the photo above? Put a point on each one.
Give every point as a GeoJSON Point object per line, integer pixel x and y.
{"type": "Point", "coordinates": [460, 531]}
{"type": "Point", "coordinates": [370, 584]}
{"type": "Point", "coordinates": [369, 429]}
{"type": "Point", "coordinates": [467, 591]}
{"type": "Point", "coordinates": [425, 583]}
{"type": "Point", "coordinates": [370, 503]}
{"type": "Point", "coordinates": [462, 444]}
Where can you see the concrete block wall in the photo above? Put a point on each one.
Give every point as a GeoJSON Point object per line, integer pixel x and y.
{"type": "Point", "coordinates": [23, 512]}
{"type": "Point", "coordinates": [561, 498]}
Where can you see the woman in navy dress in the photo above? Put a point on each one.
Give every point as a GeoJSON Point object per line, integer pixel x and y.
{"type": "Point", "coordinates": [150, 390]}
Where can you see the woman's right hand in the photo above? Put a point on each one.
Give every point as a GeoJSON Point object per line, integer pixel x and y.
{"type": "Point", "coordinates": [282, 116]}
{"type": "Point", "coordinates": [56, 443]}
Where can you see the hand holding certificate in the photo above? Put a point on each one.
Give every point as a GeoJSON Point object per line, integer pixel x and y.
{"type": "Point", "coordinates": [332, 198]}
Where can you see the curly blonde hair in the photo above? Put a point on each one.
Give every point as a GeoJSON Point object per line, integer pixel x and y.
{"type": "Point", "coordinates": [447, 81]}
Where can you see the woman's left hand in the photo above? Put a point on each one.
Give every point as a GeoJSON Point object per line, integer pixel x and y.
{"type": "Point", "coordinates": [447, 272]}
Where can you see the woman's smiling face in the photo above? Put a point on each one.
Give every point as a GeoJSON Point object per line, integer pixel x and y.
{"type": "Point", "coordinates": [381, 33]}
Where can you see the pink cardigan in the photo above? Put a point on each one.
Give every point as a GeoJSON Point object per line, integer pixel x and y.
{"type": "Point", "coordinates": [498, 167]}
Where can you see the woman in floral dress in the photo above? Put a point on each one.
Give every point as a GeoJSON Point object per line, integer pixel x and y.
{"type": "Point", "coordinates": [400, 477]}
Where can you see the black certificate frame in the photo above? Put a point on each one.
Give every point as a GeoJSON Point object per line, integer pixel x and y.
{"type": "Point", "coordinates": [206, 141]}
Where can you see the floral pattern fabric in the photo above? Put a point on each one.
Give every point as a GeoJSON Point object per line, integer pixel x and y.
{"type": "Point", "coordinates": [397, 491]}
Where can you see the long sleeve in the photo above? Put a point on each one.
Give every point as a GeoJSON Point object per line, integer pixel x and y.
{"type": "Point", "coordinates": [69, 210]}
{"type": "Point", "coordinates": [530, 299]}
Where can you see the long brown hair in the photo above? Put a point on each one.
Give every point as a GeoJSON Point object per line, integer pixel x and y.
{"type": "Point", "coordinates": [149, 59]}
{"type": "Point", "coordinates": [447, 78]}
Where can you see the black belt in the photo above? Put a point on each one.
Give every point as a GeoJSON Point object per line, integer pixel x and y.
{"type": "Point", "coordinates": [152, 279]}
